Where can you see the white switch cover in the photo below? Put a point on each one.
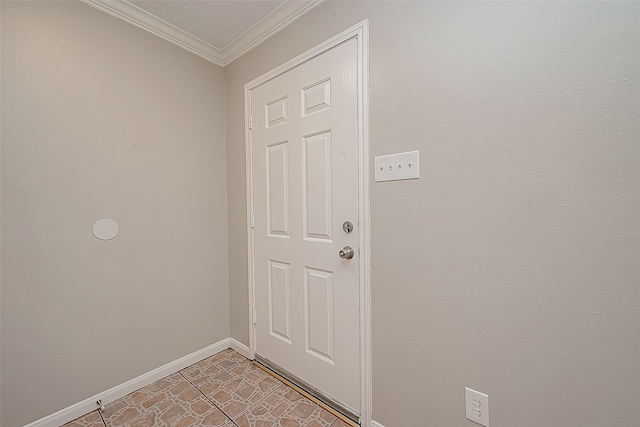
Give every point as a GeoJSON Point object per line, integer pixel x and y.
{"type": "Point", "coordinates": [477, 405]}
{"type": "Point", "coordinates": [398, 166]}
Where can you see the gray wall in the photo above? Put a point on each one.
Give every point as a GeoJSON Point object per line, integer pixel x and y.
{"type": "Point", "coordinates": [103, 120]}
{"type": "Point", "coordinates": [511, 266]}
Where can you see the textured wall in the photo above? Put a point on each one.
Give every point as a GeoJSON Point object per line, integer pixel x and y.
{"type": "Point", "coordinates": [103, 120]}
{"type": "Point", "coordinates": [511, 266]}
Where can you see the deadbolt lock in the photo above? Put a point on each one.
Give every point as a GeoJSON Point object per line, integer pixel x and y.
{"type": "Point", "coordinates": [347, 226]}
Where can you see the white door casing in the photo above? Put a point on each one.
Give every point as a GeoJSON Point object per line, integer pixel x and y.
{"type": "Point", "coordinates": [307, 173]}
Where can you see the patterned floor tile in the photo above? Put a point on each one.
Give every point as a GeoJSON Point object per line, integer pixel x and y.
{"type": "Point", "coordinates": [207, 369]}
{"type": "Point", "coordinates": [92, 419]}
{"type": "Point", "coordinates": [307, 413]}
{"type": "Point", "coordinates": [266, 383]}
{"type": "Point", "coordinates": [171, 401]}
{"type": "Point", "coordinates": [291, 395]}
{"type": "Point", "coordinates": [132, 405]}
{"type": "Point", "coordinates": [285, 408]}
{"type": "Point", "coordinates": [264, 413]}
{"type": "Point", "coordinates": [182, 411]}
{"type": "Point", "coordinates": [210, 393]}
{"type": "Point", "coordinates": [237, 389]}
{"type": "Point", "coordinates": [340, 423]}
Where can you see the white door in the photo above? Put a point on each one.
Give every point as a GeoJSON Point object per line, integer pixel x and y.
{"type": "Point", "coordinates": [305, 187]}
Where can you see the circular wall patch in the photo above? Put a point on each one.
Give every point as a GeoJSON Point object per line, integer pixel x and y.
{"type": "Point", "coordinates": [105, 229]}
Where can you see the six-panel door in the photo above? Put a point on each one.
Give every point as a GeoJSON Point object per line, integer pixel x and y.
{"type": "Point", "coordinates": [305, 186]}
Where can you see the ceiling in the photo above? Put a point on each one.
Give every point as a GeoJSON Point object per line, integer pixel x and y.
{"type": "Point", "coordinates": [216, 30]}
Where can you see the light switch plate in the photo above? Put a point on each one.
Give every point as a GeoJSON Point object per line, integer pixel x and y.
{"type": "Point", "coordinates": [394, 167]}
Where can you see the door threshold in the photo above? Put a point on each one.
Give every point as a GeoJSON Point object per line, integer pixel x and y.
{"type": "Point", "coordinates": [309, 392]}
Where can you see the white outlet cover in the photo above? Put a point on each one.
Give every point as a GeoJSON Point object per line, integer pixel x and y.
{"type": "Point", "coordinates": [477, 406]}
{"type": "Point", "coordinates": [105, 229]}
{"type": "Point", "coordinates": [399, 166]}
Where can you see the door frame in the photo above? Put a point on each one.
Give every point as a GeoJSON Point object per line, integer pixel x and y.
{"type": "Point", "coordinates": [359, 32]}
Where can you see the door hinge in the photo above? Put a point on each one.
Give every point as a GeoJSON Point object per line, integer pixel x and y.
{"type": "Point", "coordinates": [253, 220]}
{"type": "Point", "coordinates": [255, 315]}
{"type": "Point", "coordinates": [250, 121]}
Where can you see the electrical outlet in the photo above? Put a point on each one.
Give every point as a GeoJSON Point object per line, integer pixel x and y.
{"type": "Point", "coordinates": [398, 166]}
{"type": "Point", "coordinates": [477, 406]}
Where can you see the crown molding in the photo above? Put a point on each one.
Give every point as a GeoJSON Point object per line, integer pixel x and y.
{"type": "Point", "coordinates": [269, 26]}
{"type": "Point", "coordinates": [254, 36]}
{"type": "Point", "coordinates": [142, 19]}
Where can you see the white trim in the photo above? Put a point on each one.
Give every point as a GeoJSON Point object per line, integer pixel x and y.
{"type": "Point", "coordinates": [84, 407]}
{"type": "Point", "coordinates": [239, 347]}
{"type": "Point", "coordinates": [270, 25]}
{"type": "Point", "coordinates": [143, 19]}
{"type": "Point", "coordinates": [366, 373]}
{"type": "Point", "coordinates": [248, 148]}
{"type": "Point", "coordinates": [361, 33]}
{"type": "Point", "coordinates": [376, 424]}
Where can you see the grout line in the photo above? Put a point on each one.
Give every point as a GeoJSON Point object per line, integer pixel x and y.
{"type": "Point", "coordinates": [229, 419]}
{"type": "Point", "coordinates": [228, 370]}
{"type": "Point", "coordinates": [236, 375]}
{"type": "Point", "coordinates": [223, 369]}
{"type": "Point", "coordinates": [206, 397]}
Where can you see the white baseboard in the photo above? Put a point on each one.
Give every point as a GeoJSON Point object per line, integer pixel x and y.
{"type": "Point", "coordinates": [239, 347]}
{"type": "Point", "coordinates": [376, 424]}
{"type": "Point", "coordinates": [84, 407]}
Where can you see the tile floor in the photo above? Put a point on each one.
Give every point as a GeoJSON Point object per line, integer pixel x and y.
{"type": "Point", "coordinates": [224, 390]}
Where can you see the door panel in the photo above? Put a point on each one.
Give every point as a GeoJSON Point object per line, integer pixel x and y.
{"type": "Point", "coordinates": [278, 189]}
{"type": "Point", "coordinates": [317, 189]}
{"type": "Point", "coordinates": [305, 185]}
{"type": "Point", "coordinates": [280, 300]}
{"type": "Point", "coordinates": [319, 314]}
